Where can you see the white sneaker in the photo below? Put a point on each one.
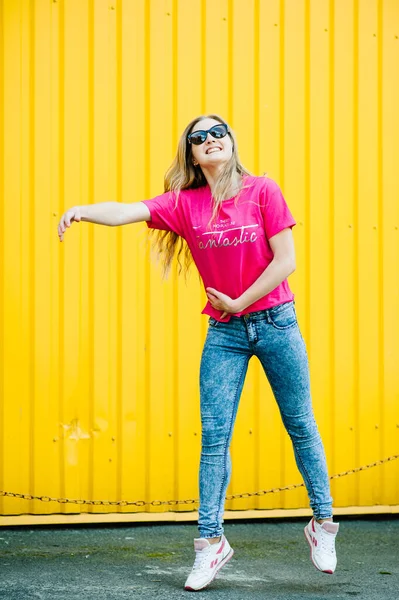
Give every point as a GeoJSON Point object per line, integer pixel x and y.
{"type": "Point", "coordinates": [321, 539]}
{"type": "Point", "coordinates": [210, 558]}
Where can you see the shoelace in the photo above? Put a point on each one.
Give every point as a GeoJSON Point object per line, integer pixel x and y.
{"type": "Point", "coordinates": [327, 542]}
{"type": "Point", "coordinates": [200, 558]}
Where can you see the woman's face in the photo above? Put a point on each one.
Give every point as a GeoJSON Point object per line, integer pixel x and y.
{"type": "Point", "coordinates": [213, 152]}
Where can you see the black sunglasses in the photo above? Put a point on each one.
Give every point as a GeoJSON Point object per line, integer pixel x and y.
{"type": "Point", "coordinates": [199, 137]}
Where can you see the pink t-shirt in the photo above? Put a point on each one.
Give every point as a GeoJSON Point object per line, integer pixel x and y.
{"type": "Point", "coordinates": [234, 251]}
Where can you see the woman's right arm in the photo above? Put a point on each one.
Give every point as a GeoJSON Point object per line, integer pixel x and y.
{"type": "Point", "coordinates": [104, 213]}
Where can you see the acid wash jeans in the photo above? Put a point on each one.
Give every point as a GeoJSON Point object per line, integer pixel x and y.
{"type": "Point", "coordinates": [274, 337]}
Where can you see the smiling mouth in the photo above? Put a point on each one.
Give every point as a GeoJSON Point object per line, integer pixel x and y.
{"type": "Point", "coordinates": [213, 149]}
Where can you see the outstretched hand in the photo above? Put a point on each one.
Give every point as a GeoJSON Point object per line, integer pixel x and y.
{"type": "Point", "coordinates": [222, 302]}
{"type": "Point", "coordinates": [71, 215]}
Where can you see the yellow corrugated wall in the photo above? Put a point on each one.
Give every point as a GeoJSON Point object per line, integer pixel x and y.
{"type": "Point", "coordinates": [99, 357]}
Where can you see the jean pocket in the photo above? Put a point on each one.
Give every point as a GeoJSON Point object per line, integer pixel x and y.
{"type": "Point", "coordinates": [283, 316]}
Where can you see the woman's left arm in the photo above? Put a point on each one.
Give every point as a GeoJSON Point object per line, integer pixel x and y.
{"type": "Point", "coordinates": [282, 265]}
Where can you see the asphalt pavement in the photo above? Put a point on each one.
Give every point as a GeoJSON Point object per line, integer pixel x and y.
{"type": "Point", "coordinates": [151, 562]}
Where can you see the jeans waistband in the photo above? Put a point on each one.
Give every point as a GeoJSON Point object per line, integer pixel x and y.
{"type": "Point", "coordinates": [260, 315]}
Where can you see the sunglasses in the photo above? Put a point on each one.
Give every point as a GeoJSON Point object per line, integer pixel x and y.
{"type": "Point", "coordinates": [199, 137]}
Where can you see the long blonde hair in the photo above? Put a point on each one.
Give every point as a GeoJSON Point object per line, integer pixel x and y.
{"type": "Point", "coordinates": [182, 175]}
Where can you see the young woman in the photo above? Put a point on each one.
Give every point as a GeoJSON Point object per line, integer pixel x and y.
{"type": "Point", "coordinates": [237, 228]}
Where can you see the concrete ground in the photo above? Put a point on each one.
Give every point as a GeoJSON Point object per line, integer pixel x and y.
{"type": "Point", "coordinates": [144, 561]}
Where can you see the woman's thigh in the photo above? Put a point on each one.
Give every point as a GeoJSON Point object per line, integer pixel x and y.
{"type": "Point", "coordinates": [224, 364]}
{"type": "Point", "coordinates": [282, 352]}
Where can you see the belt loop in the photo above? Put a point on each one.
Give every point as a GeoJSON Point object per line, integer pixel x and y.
{"type": "Point", "coordinates": [267, 311]}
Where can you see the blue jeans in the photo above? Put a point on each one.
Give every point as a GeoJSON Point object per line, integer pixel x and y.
{"type": "Point", "coordinates": [274, 337]}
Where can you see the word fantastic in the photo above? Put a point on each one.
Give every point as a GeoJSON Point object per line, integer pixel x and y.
{"type": "Point", "coordinates": [220, 240]}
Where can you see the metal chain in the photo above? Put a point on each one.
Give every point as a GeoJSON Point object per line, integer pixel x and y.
{"type": "Point", "coordinates": [196, 501]}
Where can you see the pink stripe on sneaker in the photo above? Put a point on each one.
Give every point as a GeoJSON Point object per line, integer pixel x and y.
{"type": "Point", "coordinates": [221, 547]}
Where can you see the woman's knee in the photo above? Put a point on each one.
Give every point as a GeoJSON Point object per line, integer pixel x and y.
{"type": "Point", "coordinates": [215, 438]}
{"type": "Point", "coordinates": [302, 428]}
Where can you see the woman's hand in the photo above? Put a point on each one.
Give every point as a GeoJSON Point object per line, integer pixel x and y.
{"type": "Point", "coordinates": [222, 302]}
{"type": "Point", "coordinates": [71, 215]}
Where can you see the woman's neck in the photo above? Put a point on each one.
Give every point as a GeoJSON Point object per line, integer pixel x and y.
{"type": "Point", "coordinates": [213, 176]}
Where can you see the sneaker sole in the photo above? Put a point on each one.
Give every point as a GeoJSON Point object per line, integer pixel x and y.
{"type": "Point", "coordinates": [222, 563]}
{"type": "Point", "coordinates": [309, 541]}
